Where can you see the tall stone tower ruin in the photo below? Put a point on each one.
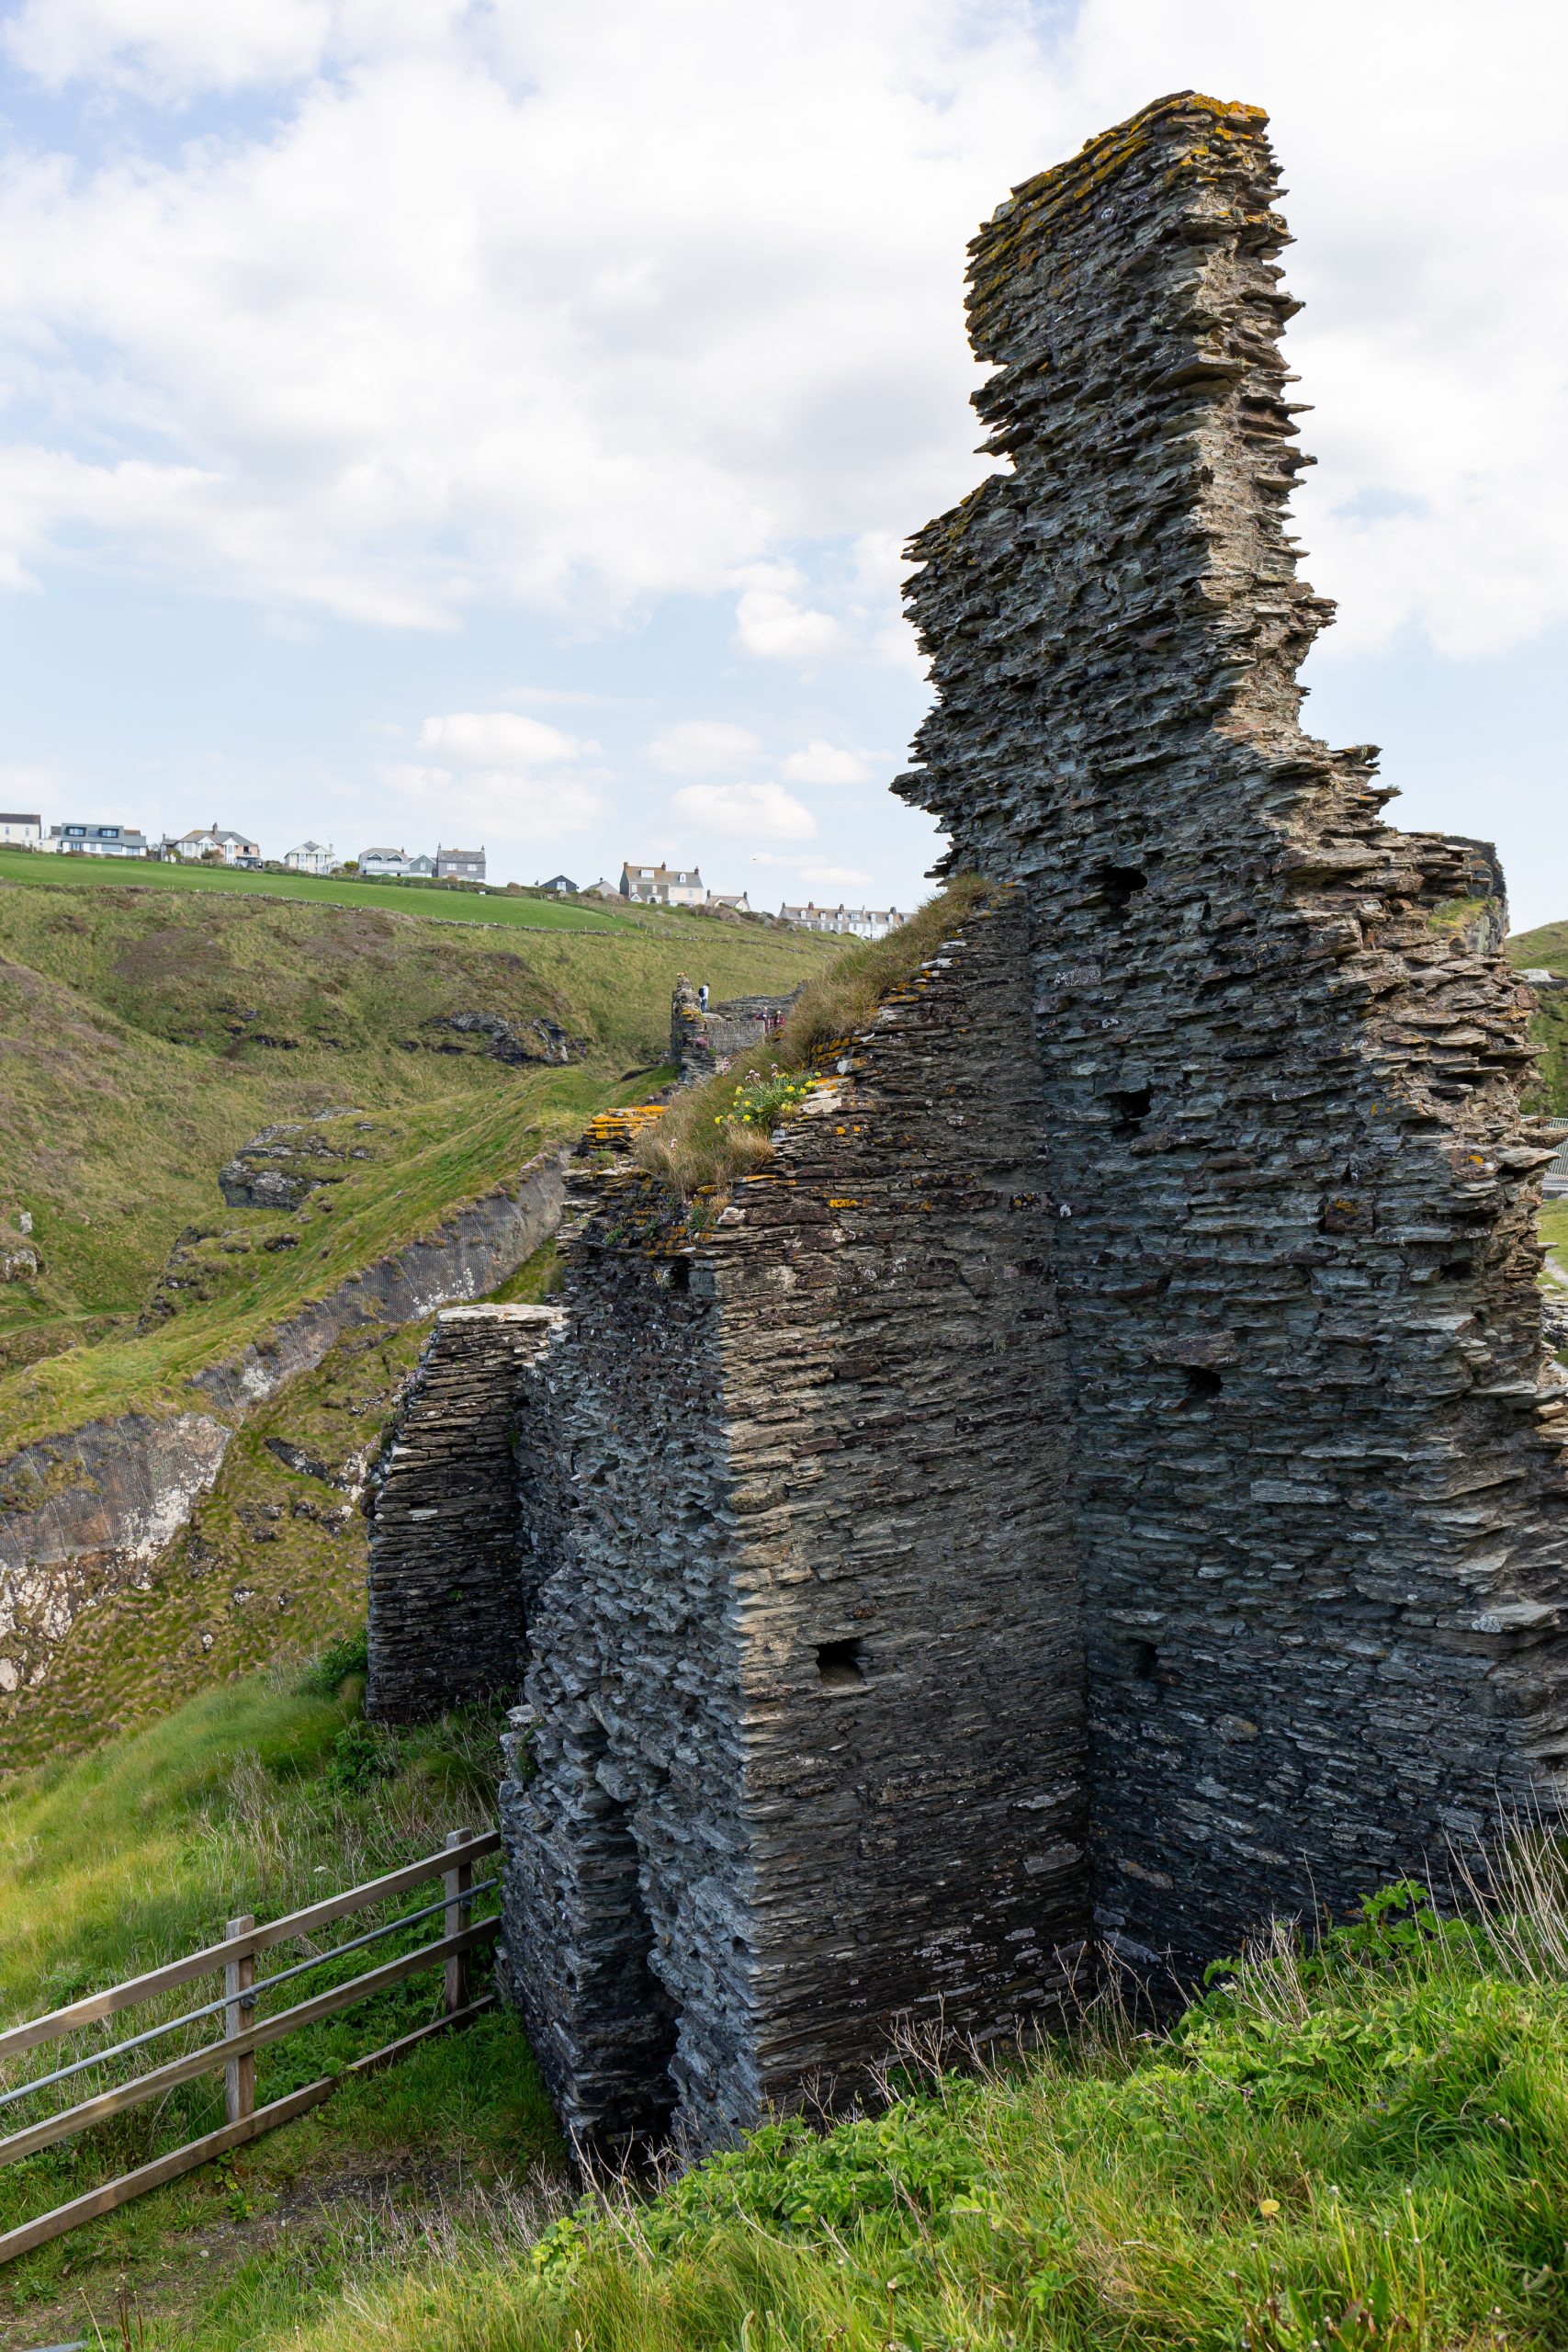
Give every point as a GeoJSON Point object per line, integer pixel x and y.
{"type": "Point", "coordinates": [1320, 1521]}
{"type": "Point", "coordinates": [1104, 1472]}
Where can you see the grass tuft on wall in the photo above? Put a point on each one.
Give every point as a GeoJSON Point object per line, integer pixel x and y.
{"type": "Point", "coordinates": [706, 1140]}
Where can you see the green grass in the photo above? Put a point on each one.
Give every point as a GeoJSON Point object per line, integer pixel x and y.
{"type": "Point", "coordinates": [445, 904]}
{"type": "Point", "coordinates": [253, 1798]}
{"type": "Point", "coordinates": [143, 1037]}
{"type": "Point", "coordinates": [1547, 948]}
{"type": "Point", "coordinates": [1335, 2150]}
{"type": "Point", "coordinates": [714, 1133]}
{"type": "Point", "coordinates": [1546, 945]}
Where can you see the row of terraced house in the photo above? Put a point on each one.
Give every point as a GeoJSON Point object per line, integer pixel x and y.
{"type": "Point", "coordinates": [219, 845]}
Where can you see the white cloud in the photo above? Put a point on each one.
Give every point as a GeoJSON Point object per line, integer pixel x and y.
{"type": "Point", "coordinates": [756, 811]}
{"type": "Point", "coordinates": [490, 805]}
{"type": "Point", "coordinates": [497, 738]}
{"type": "Point", "coordinates": [702, 746]}
{"type": "Point", "coordinates": [580, 308]}
{"type": "Point", "coordinates": [482, 778]}
{"type": "Point", "coordinates": [842, 877]}
{"type": "Point", "coordinates": [824, 762]}
{"type": "Point", "coordinates": [770, 623]}
{"type": "Point", "coordinates": [168, 45]}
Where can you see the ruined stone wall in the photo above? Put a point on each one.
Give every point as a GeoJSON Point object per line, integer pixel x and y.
{"type": "Point", "coordinates": [1318, 1493]}
{"type": "Point", "coordinates": [808, 1683]}
{"type": "Point", "coordinates": [702, 1043]}
{"type": "Point", "coordinates": [449, 1559]}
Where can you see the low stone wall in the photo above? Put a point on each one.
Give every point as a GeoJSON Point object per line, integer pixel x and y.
{"type": "Point", "coordinates": [446, 1589]}
{"type": "Point", "coordinates": [702, 1043]}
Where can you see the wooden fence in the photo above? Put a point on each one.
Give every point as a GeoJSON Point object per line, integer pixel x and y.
{"type": "Point", "coordinates": [242, 2034]}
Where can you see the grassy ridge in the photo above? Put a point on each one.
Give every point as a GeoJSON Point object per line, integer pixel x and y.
{"type": "Point", "coordinates": [339, 890]}
{"type": "Point", "coordinates": [1547, 948]}
{"type": "Point", "coordinates": [145, 1036]}
{"type": "Point", "coordinates": [253, 1798]}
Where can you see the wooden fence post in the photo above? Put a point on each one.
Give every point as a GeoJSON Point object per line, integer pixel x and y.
{"type": "Point", "coordinates": [457, 1883]}
{"type": "Point", "coordinates": [239, 2074]}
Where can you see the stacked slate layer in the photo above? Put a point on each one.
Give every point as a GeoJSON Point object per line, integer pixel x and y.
{"type": "Point", "coordinates": [806, 1689]}
{"type": "Point", "coordinates": [450, 1559]}
{"type": "Point", "coordinates": [1317, 1490]}
{"type": "Point", "coordinates": [703, 1043]}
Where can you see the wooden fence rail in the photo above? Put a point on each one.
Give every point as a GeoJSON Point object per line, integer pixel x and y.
{"type": "Point", "coordinates": [242, 2034]}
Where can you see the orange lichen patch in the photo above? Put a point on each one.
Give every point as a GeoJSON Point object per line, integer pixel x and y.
{"type": "Point", "coordinates": [619, 1130]}
{"type": "Point", "coordinates": [1218, 134]}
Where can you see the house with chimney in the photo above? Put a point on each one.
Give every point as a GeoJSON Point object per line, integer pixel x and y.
{"type": "Point", "coordinates": [663, 886]}
{"type": "Point", "coordinates": [848, 922]}
{"type": "Point", "coordinates": [220, 841]}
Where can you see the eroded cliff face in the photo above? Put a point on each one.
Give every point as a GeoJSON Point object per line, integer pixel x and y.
{"type": "Point", "coordinates": [88, 1513]}
{"type": "Point", "coordinates": [1319, 1510]}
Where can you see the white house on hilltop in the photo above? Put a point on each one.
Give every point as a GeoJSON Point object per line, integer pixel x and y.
{"type": "Point", "coordinates": [384, 861]}
{"type": "Point", "coordinates": [97, 841]}
{"type": "Point", "coordinates": [851, 923]}
{"type": "Point", "coordinates": [312, 857]}
{"type": "Point", "coordinates": [205, 841]}
{"type": "Point", "coordinates": [21, 833]}
{"type": "Point", "coordinates": [663, 886]}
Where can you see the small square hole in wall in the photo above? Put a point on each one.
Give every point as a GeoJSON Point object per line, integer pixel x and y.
{"type": "Point", "coordinates": [842, 1664]}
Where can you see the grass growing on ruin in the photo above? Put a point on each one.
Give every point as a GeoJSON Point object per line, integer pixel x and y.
{"type": "Point", "coordinates": [258, 1797]}
{"type": "Point", "coordinates": [721, 1130]}
{"type": "Point", "coordinates": [1335, 2152]}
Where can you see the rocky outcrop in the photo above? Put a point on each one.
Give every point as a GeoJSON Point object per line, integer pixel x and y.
{"type": "Point", "coordinates": [536, 1039]}
{"type": "Point", "coordinates": [83, 1515]}
{"type": "Point", "coordinates": [284, 1165]}
{"type": "Point", "coordinates": [467, 1254]}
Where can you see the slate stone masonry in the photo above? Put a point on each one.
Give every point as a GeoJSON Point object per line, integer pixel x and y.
{"type": "Point", "coordinates": [796, 1772]}
{"type": "Point", "coordinates": [1104, 1473]}
{"type": "Point", "coordinates": [1318, 1493]}
{"type": "Point", "coordinates": [447, 1579]}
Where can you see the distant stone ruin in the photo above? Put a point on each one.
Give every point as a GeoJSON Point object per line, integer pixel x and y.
{"type": "Point", "coordinates": [1103, 1479]}
{"type": "Point", "coordinates": [704, 1040]}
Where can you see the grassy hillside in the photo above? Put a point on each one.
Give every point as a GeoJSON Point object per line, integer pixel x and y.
{"type": "Point", "coordinates": [1334, 2152]}
{"type": "Point", "coordinates": [339, 890]}
{"type": "Point", "coordinates": [254, 1798]}
{"type": "Point", "coordinates": [273, 1562]}
{"type": "Point", "coordinates": [145, 1035]}
{"type": "Point", "coordinates": [1547, 949]}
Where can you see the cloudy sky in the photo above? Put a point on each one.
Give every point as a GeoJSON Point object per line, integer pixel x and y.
{"type": "Point", "coordinates": [499, 420]}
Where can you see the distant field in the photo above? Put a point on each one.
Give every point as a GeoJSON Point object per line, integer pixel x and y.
{"type": "Point", "coordinates": [336, 890]}
{"type": "Point", "coordinates": [1547, 948]}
